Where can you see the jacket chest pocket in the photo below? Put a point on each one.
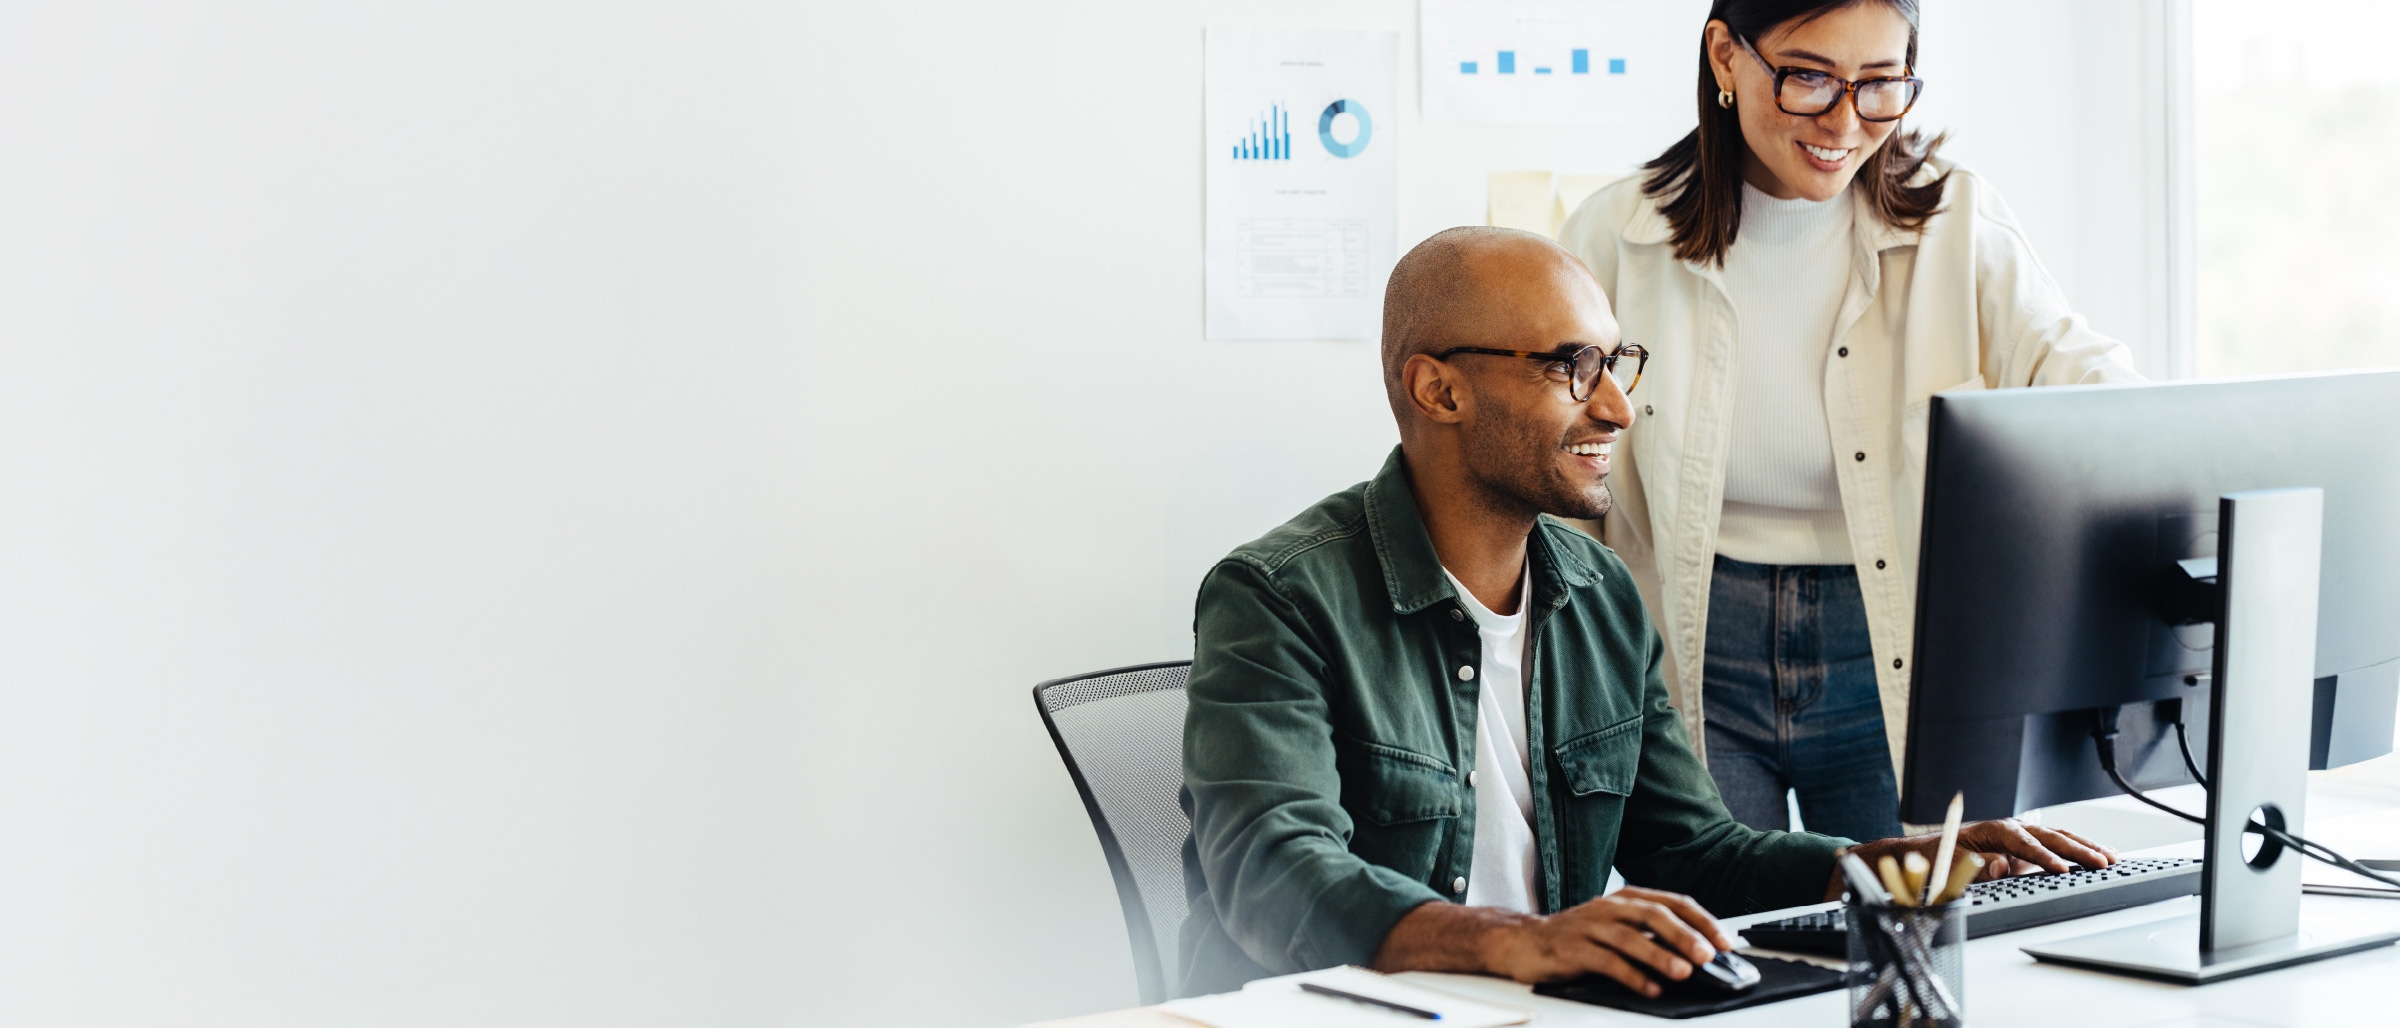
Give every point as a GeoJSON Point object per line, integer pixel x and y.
{"type": "Point", "coordinates": [1403, 806]}
{"type": "Point", "coordinates": [1598, 769]}
{"type": "Point", "coordinates": [1602, 763]}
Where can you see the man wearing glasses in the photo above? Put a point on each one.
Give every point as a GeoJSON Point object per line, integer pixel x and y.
{"type": "Point", "coordinates": [1427, 717]}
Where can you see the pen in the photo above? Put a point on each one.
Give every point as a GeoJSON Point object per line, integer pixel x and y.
{"type": "Point", "coordinates": [1862, 881]}
{"type": "Point", "coordinates": [1326, 990]}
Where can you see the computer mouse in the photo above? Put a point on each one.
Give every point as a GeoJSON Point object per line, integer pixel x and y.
{"type": "Point", "coordinates": [1726, 975]}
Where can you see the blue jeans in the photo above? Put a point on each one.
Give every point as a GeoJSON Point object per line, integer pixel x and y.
{"type": "Point", "coordinates": [1791, 703]}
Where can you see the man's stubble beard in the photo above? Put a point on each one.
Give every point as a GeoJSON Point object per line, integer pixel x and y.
{"type": "Point", "coordinates": [1519, 472]}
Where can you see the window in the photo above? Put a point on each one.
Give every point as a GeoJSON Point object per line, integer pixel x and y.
{"type": "Point", "coordinates": [2296, 139]}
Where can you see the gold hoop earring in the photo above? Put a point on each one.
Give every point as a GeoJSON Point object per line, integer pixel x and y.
{"type": "Point", "coordinates": [1725, 98]}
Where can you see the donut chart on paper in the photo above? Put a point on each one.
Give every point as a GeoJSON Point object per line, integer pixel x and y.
{"type": "Point", "coordinates": [1366, 128]}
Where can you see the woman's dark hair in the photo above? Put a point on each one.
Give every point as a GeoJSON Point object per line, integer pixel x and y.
{"type": "Point", "coordinates": [1701, 175]}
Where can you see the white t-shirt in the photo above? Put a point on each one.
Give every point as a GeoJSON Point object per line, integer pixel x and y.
{"type": "Point", "coordinates": [1786, 274]}
{"type": "Point", "coordinates": [1503, 872]}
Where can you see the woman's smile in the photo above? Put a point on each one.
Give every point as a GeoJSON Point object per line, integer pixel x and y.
{"type": "Point", "coordinates": [1827, 158]}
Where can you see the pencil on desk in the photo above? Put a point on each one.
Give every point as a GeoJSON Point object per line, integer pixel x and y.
{"type": "Point", "coordinates": [1962, 874]}
{"type": "Point", "coordinates": [1939, 882]}
{"type": "Point", "coordinates": [1403, 1008]}
{"type": "Point", "coordinates": [1889, 870]}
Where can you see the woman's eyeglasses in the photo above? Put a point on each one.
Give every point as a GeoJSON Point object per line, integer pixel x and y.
{"type": "Point", "coordinates": [1581, 368]}
{"type": "Point", "coordinates": [1808, 93]}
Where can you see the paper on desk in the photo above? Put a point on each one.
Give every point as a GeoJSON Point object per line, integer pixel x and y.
{"type": "Point", "coordinates": [1279, 1003]}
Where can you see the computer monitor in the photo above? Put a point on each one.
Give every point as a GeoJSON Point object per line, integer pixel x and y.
{"type": "Point", "coordinates": [2054, 524]}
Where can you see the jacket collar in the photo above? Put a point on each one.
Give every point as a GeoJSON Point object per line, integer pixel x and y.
{"type": "Point", "coordinates": [1647, 225]}
{"type": "Point", "coordinates": [1412, 572]}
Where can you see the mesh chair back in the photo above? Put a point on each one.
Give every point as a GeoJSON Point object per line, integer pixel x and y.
{"type": "Point", "coordinates": [1121, 735]}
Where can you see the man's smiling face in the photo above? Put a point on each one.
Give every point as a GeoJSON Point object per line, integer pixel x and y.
{"type": "Point", "coordinates": [1526, 440]}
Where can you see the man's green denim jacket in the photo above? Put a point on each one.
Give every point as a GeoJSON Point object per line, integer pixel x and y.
{"type": "Point", "coordinates": [1330, 733]}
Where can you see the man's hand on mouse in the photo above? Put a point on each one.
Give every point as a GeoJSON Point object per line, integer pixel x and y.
{"type": "Point", "coordinates": [1617, 935]}
{"type": "Point", "coordinates": [2008, 847]}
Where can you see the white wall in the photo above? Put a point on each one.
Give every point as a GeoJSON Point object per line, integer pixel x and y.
{"type": "Point", "coordinates": [547, 513]}
{"type": "Point", "coordinates": [2066, 107]}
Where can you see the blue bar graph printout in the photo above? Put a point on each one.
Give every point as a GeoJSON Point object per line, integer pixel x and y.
{"type": "Point", "coordinates": [1270, 137]}
{"type": "Point", "coordinates": [1579, 62]}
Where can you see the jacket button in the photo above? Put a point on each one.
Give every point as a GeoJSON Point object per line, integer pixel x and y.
{"type": "Point", "coordinates": [1459, 886]}
{"type": "Point", "coordinates": [1878, 565]}
{"type": "Point", "coordinates": [1470, 779]}
{"type": "Point", "coordinates": [1457, 614]}
{"type": "Point", "coordinates": [1648, 410]}
{"type": "Point", "coordinates": [1844, 351]}
{"type": "Point", "coordinates": [1858, 456]}
{"type": "Point", "coordinates": [1895, 663]}
{"type": "Point", "coordinates": [1466, 672]}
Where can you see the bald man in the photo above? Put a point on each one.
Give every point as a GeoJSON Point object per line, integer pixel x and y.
{"type": "Point", "coordinates": [1372, 681]}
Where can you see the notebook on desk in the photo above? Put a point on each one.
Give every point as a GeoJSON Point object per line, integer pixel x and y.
{"type": "Point", "coordinates": [2372, 839]}
{"type": "Point", "coordinates": [1281, 1003]}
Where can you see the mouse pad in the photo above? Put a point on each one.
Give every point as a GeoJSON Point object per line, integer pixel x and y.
{"type": "Point", "coordinates": [1778, 979]}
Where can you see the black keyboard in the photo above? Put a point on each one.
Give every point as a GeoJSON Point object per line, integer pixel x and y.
{"type": "Point", "coordinates": [2008, 904]}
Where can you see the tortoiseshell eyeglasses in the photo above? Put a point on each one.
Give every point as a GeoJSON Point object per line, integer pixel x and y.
{"type": "Point", "coordinates": [1807, 92]}
{"type": "Point", "coordinates": [1581, 369]}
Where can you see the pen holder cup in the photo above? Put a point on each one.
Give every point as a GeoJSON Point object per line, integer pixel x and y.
{"type": "Point", "coordinates": [1908, 965]}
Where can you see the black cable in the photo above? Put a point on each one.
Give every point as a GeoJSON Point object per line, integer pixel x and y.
{"type": "Point", "coordinates": [2318, 852]}
{"type": "Point", "coordinates": [2184, 743]}
{"type": "Point", "coordinates": [2104, 739]}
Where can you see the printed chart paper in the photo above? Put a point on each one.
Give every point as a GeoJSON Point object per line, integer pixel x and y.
{"type": "Point", "coordinates": [1541, 62]}
{"type": "Point", "coordinates": [1303, 181]}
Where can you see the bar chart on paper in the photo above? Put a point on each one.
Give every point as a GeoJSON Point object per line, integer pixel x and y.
{"type": "Point", "coordinates": [1303, 181]}
{"type": "Point", "coordinates": [1578, 62]}
{"type": "Point", "coordinates": [1538, 62]}
{"type": "Point", "coordinates": [1269, 137]}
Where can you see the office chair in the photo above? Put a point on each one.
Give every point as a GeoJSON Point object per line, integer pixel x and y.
{"type": "Point", "coordinates": [1121, 734]}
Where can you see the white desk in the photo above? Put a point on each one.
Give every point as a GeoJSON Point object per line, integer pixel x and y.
{"type": "Point", "coordinates": [2005, 987]}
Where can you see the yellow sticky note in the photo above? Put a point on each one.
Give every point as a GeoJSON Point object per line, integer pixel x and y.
{"type": "Point", "coordinates": [1573, 190]}
{"type": "Point", "coordinates": [1521, 199]}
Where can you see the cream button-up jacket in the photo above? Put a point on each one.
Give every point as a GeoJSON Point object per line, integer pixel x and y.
{"type": "Point", "coordinates": [1958, 304]}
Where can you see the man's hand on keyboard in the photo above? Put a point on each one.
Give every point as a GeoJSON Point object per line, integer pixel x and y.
{"type": "Point", "coordinates": [2008, 846]}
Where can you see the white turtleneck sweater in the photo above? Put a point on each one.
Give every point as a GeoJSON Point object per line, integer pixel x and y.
{"type": "Point", "coordinates": [1786, 273]}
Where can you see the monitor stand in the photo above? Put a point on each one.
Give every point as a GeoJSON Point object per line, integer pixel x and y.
{"type": "Point", "coordinates": [2268, 550]}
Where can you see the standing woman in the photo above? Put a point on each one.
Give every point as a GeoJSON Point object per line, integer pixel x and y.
{"type": "Point", "coordinates": [1805, 276]}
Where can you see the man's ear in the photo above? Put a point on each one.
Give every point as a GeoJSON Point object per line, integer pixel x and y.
{"type": "Point", "coordinates": [1435, 390]}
